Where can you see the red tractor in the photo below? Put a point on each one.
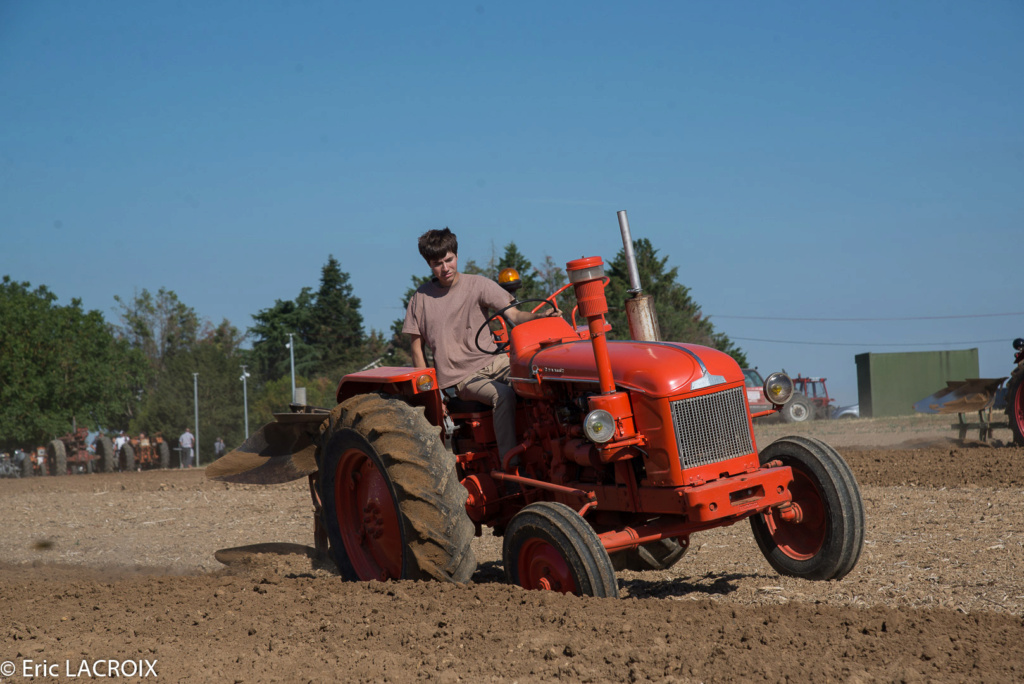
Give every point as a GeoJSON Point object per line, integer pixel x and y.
{"type": "Point", "coordinates": [810, 398]}
{"type": "Point", "coordinates": [70, 454]}
{"type": "Point", "coordinates": [817, 404]}
{"type": "Point", "coordinates": [1015, 394]}
{"type": "Point", "coordinates": [625, 449]}
{"type": "Point", "coordinates": [144, 453]}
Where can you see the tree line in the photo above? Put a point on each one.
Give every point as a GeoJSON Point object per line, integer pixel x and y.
{"type": "Point", "coordinates": [62, 364]}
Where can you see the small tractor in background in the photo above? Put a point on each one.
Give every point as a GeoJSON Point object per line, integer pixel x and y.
{"type": "Point", "coordinates": [32, 462]}
{"type": "Point", "coordinates": [70, 454]}
{"type": "Point", "coordinates": [143, 453]}
{"type": "Point", "coordinates": [37, 463]}
{"type": "Point", "coordinates": [810, 398]}
{"type": "Point", "coordinates": [625, 449]}
{"type": "Point", "coordinates": [812, 393]}
{"type": "Point", "coordinates": [11, 464]}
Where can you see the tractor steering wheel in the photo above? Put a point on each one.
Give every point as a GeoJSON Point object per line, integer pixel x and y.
{"type": "Point", "coordinates": [502, 347]}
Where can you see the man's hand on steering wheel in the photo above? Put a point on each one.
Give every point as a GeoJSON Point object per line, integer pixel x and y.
{"type": "Point", "coordinates": [514, 317]}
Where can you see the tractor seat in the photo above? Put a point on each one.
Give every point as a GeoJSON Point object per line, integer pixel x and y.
{"type": "Point", "coordinates": [456, 405]}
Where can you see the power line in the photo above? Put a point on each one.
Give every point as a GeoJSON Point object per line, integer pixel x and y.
{"type": "Point", "coordinates": [861, 320]}
{"type": "Point", "coordinates": [870, 344]}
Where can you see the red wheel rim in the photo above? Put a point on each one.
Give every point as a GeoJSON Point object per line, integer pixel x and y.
{"type": "Point", "coordinates": [800, 540]}
{"type": "Point", "coordinates": [367, 518]}
{"type": "Point", "coordinates": [1017, 410]}
{"type": "Point", "coordinates": [541, 566]}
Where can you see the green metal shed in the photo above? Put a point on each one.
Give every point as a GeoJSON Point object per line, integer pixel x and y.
{"type": "Point", "coordinates": [889, 384]}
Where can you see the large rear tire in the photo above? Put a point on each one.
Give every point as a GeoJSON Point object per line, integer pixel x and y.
{"type": "Point", "coordinates": [824, 542]}
{"type": "Point", "coordinates": [548, 546]}
{"type": "Point", "coordinates": [57, 458]}
{"type": "Point", "coordinates": [393, 506]}
{"type": "Point", "coordinates": [1015, 405]}
{"type": "Point", "coordinates": [127, 457]}
{"type": "Point", "coordinates": [799, 409]}
{"type": "Point", "coordinates": [108, 457]}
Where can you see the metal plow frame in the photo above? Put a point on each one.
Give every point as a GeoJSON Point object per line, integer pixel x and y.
{"type": "Point", "coordinates": [966, 396]}
{"type": "Point", "coordinates": [278, 452]}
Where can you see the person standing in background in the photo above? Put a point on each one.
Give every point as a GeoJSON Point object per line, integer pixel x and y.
{"type": "Point", "coordinates": [186, 442]}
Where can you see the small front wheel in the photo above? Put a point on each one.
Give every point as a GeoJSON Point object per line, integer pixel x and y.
{"type": "Point", "coordinates": [820, 536]}
{"type": "Point", "coordinates": [549, 546]}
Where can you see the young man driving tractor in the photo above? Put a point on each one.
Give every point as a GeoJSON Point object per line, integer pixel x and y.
{"type": "Point", "coordinates": [445, 313]}
{"type": "Point", "coordinates": [622, 451]}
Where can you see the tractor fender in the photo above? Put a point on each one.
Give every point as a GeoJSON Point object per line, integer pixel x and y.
{"type": "Point", "coordinates": [401, 380]}
{"type": "Point", "coordinates": [285, 450]}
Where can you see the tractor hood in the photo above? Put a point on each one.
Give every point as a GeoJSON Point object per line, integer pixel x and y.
{"type": "Point", "coordinates": [659, 369]}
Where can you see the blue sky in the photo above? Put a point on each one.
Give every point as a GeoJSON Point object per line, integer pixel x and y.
{"type": "Point", "coordinates": [794, 160]}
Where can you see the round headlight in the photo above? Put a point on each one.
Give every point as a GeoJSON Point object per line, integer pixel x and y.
{"type": "Point", "coordinates": [424, 383]}
{"type": "Point", "coordinates": [599, 426]}
{"type": "Point", "coordinates": [778, 388]}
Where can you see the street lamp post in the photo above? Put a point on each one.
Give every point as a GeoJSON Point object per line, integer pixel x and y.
{"type": "Point", "coordinates": [291, 351]}
{"type": "Point", "coordinates": [195, 397]}
{"type": "Point", "coordinates": [245, 399]}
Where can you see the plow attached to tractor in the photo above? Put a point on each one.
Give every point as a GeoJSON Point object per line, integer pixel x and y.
{"type": "Point", "coordinates": [979, 395]}
{"type": "Point", "coordinates": [625, 449]}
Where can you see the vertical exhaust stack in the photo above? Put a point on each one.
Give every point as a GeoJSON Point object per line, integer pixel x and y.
{"type": "Point", "coordinates": [643, 319]}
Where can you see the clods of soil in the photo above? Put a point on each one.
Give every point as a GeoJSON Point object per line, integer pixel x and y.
{"type": "Point", "coordinates": [216, 582]}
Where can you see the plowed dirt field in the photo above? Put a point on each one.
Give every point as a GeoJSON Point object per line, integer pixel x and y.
{"type": "Point", "coordinates": [123, 567]}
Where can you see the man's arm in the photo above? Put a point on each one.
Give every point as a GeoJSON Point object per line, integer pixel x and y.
{"type": "Point", "coordinates": [418, 359]}
{"type": "Point", "coordinates": [517, 316]}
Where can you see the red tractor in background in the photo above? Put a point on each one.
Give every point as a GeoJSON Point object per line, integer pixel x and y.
{"type": "Point", "coordinates": [810, 398]}
{"type": "Point", "coordinates": [70, 454]}
{"type": "Point", "coordinates": [145, 453]}
{"type": "Point", "coordinates": [625, 449]}
{"type": "Point", "coordinates": [814, 392]}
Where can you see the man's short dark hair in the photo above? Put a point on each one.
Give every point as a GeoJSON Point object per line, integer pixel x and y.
{"type": "Point", "coordinates": [435, 244]}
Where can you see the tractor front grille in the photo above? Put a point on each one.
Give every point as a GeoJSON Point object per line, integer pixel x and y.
{"type": "Point", "coordinates": [711, 428]}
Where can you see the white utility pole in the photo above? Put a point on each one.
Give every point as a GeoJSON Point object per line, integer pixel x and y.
{"type": "Point", "coordinates": [245, 399]}
{"type": "Point", "coordinates": [195, 397]}
{"type": "Point", "coordinates": [291, 350]}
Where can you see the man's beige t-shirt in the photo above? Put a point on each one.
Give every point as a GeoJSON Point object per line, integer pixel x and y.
{"type": "Point", "coordinates": [447, 318]}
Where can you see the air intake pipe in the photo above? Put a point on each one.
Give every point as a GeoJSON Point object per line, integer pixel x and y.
{"type": "Point", "coordinates": [587, 278]}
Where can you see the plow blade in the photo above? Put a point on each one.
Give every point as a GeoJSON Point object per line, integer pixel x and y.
{"type": "Point", "coordinates": [278, 452]}
{"type": "Point", "coordinates": [961, 396]}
